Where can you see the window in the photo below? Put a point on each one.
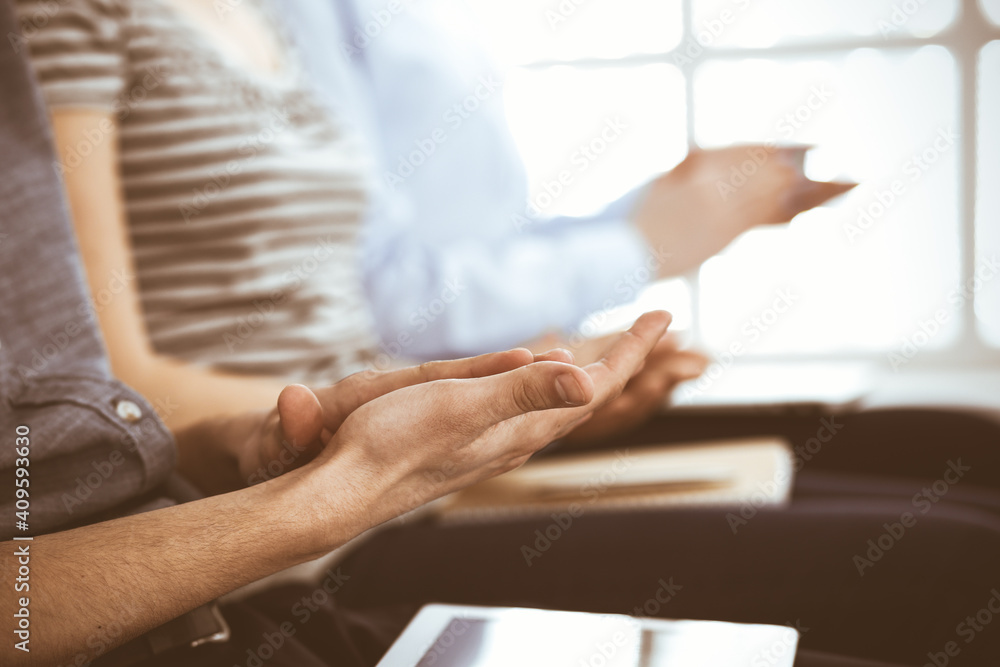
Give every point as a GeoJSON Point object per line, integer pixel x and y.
{"type": "Point", "coordinates": [902, 96]}
{"type": "Point", "coordinates": [987, 303]}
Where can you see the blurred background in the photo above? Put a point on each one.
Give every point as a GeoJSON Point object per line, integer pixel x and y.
{"type": "Point", "coordinates": [902, 96]}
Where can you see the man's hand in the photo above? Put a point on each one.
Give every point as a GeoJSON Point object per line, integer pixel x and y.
{"type": "Point", "coordinates": [423, 441]}
{"type": "Point", "coordinates": [294, 432]}
{"type": "Point", "coordinates": [698, 208]}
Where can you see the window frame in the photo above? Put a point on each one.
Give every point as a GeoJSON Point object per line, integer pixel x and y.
{"type": "Point", "coordinates": [965, 39]}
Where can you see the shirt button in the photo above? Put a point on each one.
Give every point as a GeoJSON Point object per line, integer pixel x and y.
{"type": "Point", "coordinates": [128, 411]}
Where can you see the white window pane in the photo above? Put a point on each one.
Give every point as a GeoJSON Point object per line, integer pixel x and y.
{"type": "Point", "coordinates": [528, 30]}
{"type": "Point", "coordinates": [865, 273]}
{"type": "Point", "coordinates": [761, 23]}
{"type": "Point", "coordinates": [605, 130]}
{"type": "Point", "coordinates": [992, 9]}
{"type": "Point", "coordinates": [988, 209]}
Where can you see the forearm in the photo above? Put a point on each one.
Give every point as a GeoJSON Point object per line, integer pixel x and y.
{"type": "Point", "coordinates": [141, 571]}
{"type": "Point", "coordinates": [184, 394]}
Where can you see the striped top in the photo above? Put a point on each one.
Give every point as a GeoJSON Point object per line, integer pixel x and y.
{"type": "Point", "coordinates": [244, 195]}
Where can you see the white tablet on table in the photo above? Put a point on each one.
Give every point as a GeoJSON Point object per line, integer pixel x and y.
{"type": "Point", "coordinates": [462, 636]}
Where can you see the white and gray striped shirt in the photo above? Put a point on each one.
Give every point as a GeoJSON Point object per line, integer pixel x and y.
{"type": "Point", "coordinates": [244, 195]}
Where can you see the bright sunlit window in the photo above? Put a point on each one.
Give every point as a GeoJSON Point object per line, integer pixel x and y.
{"type": "Point", "coordinates": [902, 97]}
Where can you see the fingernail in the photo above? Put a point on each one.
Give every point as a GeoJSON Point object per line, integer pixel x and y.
{"type": "Point", "coordinates": [570, 390]}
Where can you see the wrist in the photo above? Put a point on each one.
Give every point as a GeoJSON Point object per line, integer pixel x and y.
{"type": "Point", "coordinates": [343, 495]}
{"type": "Point", "coordinates": [210, 451]}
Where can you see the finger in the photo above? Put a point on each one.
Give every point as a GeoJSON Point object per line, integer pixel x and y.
{"type": "Point", "coordinates": [669, 341]}
{"type": "Point", "coordinates": [559, 354]}
{"type": "Point", "coordinates": [686, 365]}
{"type": "Point", "coordinates": [620, 416]}
{"type": "Point", "coordinates": [626, 355]}
{"type": "Point", "coordinates": [473, 367]}
{"type": "Point", "coordinates": [667, 365]}
{"type": "Point", "coordinates": [544, 385]}
{"type": "Point", "coordinates": [300, 417]}
{"type": "Point", "coordinates": [649, 394]}
{"type": "Point", "coordinates": [602, 380]}
{"type": "Point", "coordinates": [795, 156]}
{"type": "Point", "coordinates": [813, 193]}
{"type": "Point", "coordinates": [665, 347]}
{"type": "Point", "coordinates": [344, 397]}
{"type": "Point", "coordinates": [589, 350]}
{"type": "Point", "coordinates": [664, 350]}
{"type": "Point", "coordinates": [646, 389]}
{"type": "Point", "coordinates": [611, 375]}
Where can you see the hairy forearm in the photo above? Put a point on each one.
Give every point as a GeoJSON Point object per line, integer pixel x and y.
{"type": "Point", "coordinates": [138, 572]}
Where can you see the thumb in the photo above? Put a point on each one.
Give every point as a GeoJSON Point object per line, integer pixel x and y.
{"type": "Point", "coordinates": [543, 385]}
{"type": "Point", "coordinates": [300, 415]}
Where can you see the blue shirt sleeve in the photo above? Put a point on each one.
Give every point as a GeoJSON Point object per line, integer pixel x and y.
{"type": "Point", "coordinates": [468, 296]}
{"type": "Point", "coordinates": [453, 263]}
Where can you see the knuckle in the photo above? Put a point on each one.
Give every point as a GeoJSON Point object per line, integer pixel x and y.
{"type": "Point", "coordinates": [618, 385]}
{"type": "Point", "coordinates": [429, 370]}
{"type": "Point", "coordinates": [350, 389]}
{"type": "Point", "coordinates": [528, 397]}
{"type": "Point", "coordinates": [360, 378]}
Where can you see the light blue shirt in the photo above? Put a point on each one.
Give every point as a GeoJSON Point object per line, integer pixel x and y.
{"type": "Point", "coordinates": [455, 262]}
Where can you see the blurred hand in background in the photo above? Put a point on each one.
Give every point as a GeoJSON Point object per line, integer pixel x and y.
{"type": "Point", "coordinates": [699, 207]}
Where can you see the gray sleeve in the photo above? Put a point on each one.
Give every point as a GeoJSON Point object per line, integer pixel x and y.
{"type": "Point", "coordinates": [92, 445]}
{"type": "Point", "coordinates": [88, 451]}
